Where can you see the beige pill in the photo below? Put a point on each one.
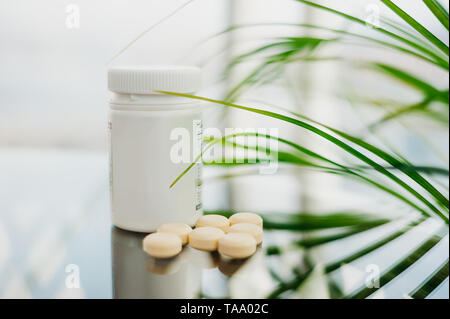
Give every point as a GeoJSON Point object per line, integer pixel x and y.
{"type": "Point", "coordinates": [251, 229]}
{"type": "Point", "coordinates": [237, 245]}
{"type": "Point", "coordinates": [249, 218]}
{"type": "Point", "coordinates": [217, 221]}
{"type": "Point", "coordinates": [205, 238]}
{"type": "Point", "coordinates": [162, 245]}
{"type": "Point", "coordinates": [180, 229]}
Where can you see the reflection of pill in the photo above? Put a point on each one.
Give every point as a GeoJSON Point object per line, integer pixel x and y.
{"type": "Point", "coordinates": [251, 229]}
{"type": "Point", "coordinates": [203, 259]}
{"type": "Point", "coordinates": [163, 266]}
{"type": "Point", "coordinates": [237, 245]}
{"type": "Point", "coordinates": [205, 238]}
{"type": "Point", "coordinates": [180, 229]}
{"type": "Point", "coordinates": [162, 245]}
{"type": "Point", "coordinates": [217, 221]}
{"type": "Point", "coordinates": [228, 266]}
{"type": "Point", "coordinates": [250, 218]}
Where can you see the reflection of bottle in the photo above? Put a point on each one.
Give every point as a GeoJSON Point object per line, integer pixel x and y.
{"type": "Point", "coordinates": [153, 138]}
{"type": "Point", "coordinates": [137, 275]}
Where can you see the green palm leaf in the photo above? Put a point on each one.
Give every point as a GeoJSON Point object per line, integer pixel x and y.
{"type": "Point", "coordinates": [307, 221]}
{"type": "Point", "coordinates": [388, 33]}
{"type": "Point", "coordinates": [411, 34]}
{"type": "Point", "coordinates": [341, 169]}
{"type": "Point", "coordinates": [439, 11]}
{"type": "Point", "coordinates": [400, 267]}
{"type": "Point", "coordinates": [441, 61]}
{"type": "Point", "coordinates": [415, 82]}
{"type": "Point", "coordinates": [291, 158]}
{"type": "Point", "coordinates": [346, 147]}
{"type": "Point", "coordinates": [417, 26]}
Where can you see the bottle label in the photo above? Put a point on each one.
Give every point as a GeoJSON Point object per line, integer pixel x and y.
{"type": "Point", "coordinates": [198, 146]}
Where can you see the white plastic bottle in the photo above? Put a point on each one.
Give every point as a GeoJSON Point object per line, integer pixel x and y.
{"type": "Point", "coordinates": [141, 125]}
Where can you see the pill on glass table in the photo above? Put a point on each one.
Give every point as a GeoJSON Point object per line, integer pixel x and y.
{"type": "Point", "coordinates": [249, 218]}
{"type": "Point", "coordinates": [182, 230]}
{"type": "Point", "coordinates": [217, 221]}
{"type": "Point", "coordinates": [205, 238]}
{"type": "Point", "coordinates": [251, 229]}
{"type": "Point", "coordinates": [237, 245]}
{"type": "Point", "coordinates": [162, 245]}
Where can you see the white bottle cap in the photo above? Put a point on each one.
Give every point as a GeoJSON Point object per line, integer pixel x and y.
{"type": "Point", "coordinates": [147, 79]}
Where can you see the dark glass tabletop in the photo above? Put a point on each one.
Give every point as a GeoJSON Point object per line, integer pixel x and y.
{"type": "Point", "coordinates": [57, 241]}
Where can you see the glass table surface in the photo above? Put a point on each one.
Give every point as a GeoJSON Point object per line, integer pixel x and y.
{"type": "Point", "coordinates": [57, 241]}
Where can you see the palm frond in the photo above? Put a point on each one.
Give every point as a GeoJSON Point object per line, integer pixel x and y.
{"type": "Point", "coordinates": [431, 92]}
{"type": "Point", "coordinates": [346, 147]}
{"type": "Point", "coordinates": [308, 221]}
{"type": "Point", "coordinates": [438, 11]}
{"type": "Point", "coordinates": [392, 35]}
{"type": "Point", "coordinates": [417, 26]}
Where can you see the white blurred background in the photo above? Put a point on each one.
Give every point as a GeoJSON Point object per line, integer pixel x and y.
{"type": "Point", "coordinates": [53, 89]}
{"type": "Point", "coordinates": [53, 76]}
